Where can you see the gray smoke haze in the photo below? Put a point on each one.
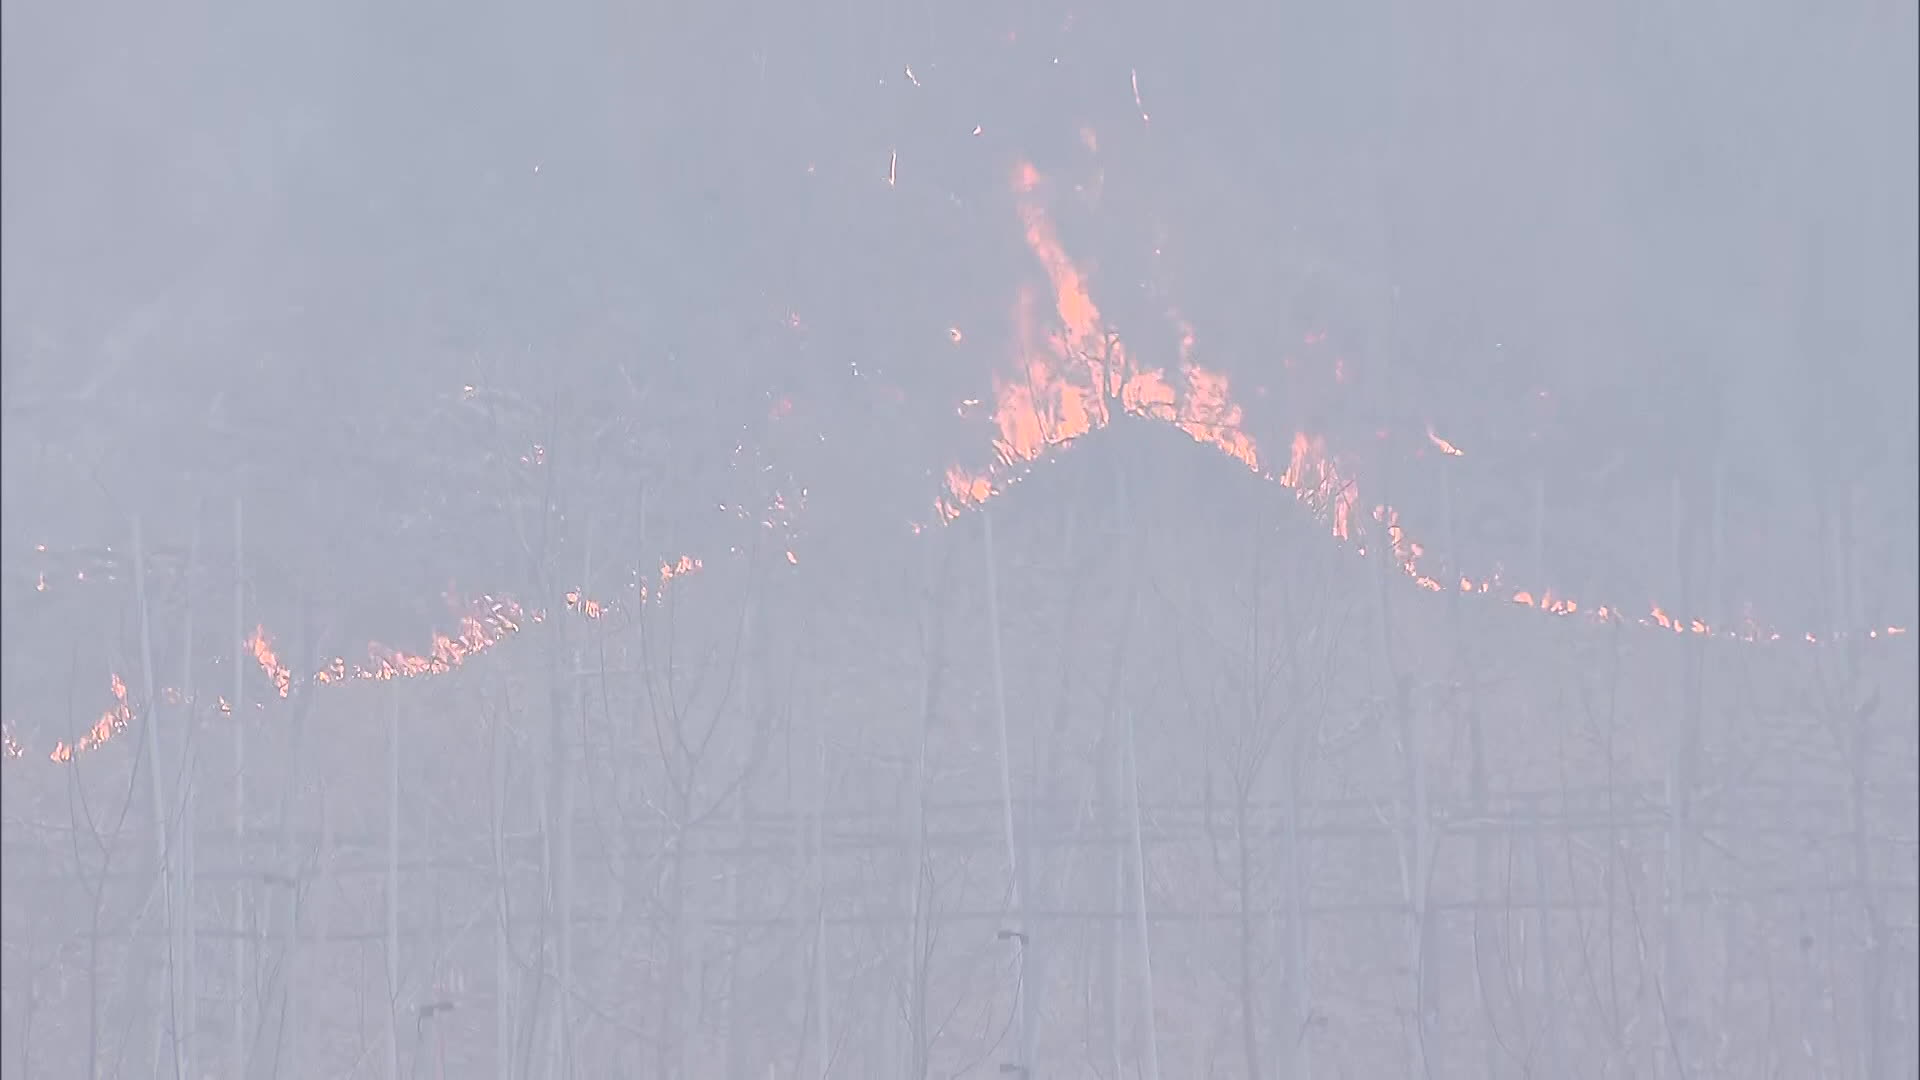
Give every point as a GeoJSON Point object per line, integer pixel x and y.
{"type": "Point", "coordinates": [888, 540]}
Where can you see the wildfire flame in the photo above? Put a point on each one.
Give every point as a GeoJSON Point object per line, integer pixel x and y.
{"type": "Point", "coordinates": [261, 646]}
{"type": "Point", "coordinates": [491, 622]}
{"type": "Point", "coordinates": [1070, 380]}
{"type": "Point", "coordinates": [112, 722]}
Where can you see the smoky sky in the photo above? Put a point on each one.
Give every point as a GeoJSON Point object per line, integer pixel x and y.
{"type": "Point", "coordinates": [1616, 246]}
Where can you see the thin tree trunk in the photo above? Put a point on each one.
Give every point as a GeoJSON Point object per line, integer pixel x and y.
{"type": "Point", "coordinates": [1415, 841]}
{"type": "Point", "coordinates": [1249, 1012]}
{"type": "Point", "coordinates": [393, 883]}
{"type": "Point", "coordinates": [823, 1026]}
{"type": "Point", "coordinates": [156, 785]}
{"type": "Point", "coordinates": [1858, 723]}
{"type": "Point", "coordinates": [1299, 1052]}
{"type": "Point", "coordinates": [693, 965]}
{"type": "Point", "coordinates": [802, 983]}
{"type": "Point", "coordinates": [919, 902]}
{"type": "Point", "coordinates": [1020, 928]}
{"type": "Point", "coordinates": [1419, 848]}
{"type": "Point", "coordinates": [671, 977]}
{"type": "Point", "coordinates": [1544, 931]}
{"type": "Point", "coordinates": [563, 892]}
{"type": "Point", "coordinates": [1243, 790]}
{"type": "Point", "coordinates": [503, 1018]}
{"type": "Point", "coordinates": [1674, 977]}
{"type": "Point", "coordinates": [237, 1049]}
{"type": "Point", "coordinates": [1115, 774]}
{"type": "Point", "coordinates": [276, 1019]}
{"type": "Point", "coordinates": [1149, 1016]}
{"type": "Point", "coordinates": [736, 1011]}
{"type": "Point", "coordinates": [188, 993]}
{"type": "Point", "coordinates": [189, 935]}
{"type": "Point", "coordinates": [1477, 766]}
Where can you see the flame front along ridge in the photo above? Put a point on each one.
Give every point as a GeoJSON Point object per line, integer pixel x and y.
{"type": "Point", "coordinates": [1068, 382]}
{"type": "Point", "coordinates": [489, 622]}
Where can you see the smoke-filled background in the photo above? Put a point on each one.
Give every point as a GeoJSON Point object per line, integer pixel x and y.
{"type": "Point", "coordinates": [879, 540]}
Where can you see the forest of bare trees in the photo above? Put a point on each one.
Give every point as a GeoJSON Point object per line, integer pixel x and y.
{"type": "Point", "coordinates": [889, 813]}
{"type": "Point", "coordinates": [761, 542]}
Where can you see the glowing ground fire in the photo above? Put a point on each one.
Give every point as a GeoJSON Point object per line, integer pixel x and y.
{"type": "Point", "coordinates": [489, 622]}
{"type": "Point", "coordinates": [1071, 378]}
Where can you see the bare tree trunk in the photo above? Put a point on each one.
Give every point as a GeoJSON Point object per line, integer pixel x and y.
{"type": "Point", "coordinates": [1808, 1008]}
{"type": "Point", "coordinates": [503, 1018]}
{"type": "Point", "coordinates": [1149, 1017]}
{"type": "Point", "coordinates": [1858, 723]}
{"type": "Point", "coordinates": [156, 785]}
{"type": "Point", "coordinates": [1031, 971]}
{"type": "Point", "coordinates": [823, 1026]}
{"type": "Point", "coordinates": [1115, 774]}
{"type": "Point", "coordinates": [188, 992]}
{"type": "Point", "coordinates": [275, 1021]}
{"type": "Point", "coordinates": [1253, 759]}
{"type": "Point", "coordinates": [563, 885]}
{"type": "Point", "coordinates": [1467, 679]}
{"type": "Point", "coordinates": [671, 977]}
{"type": "Point", "coordinates": [1299, 967]}
{"type": "Point", "coordinates": [919, 900]}
{"type": "Point", "coordinates": [1416, 845]}
{"type": "Point", "coordinates": [237, 1048]}
{"type": "Point", "coordinates": [1674, 975]}
{"type": "Point", "coordinates": [393, 883]}
{"type": "Point", "coordinates": [286, 1002]}
{"type": "Point", "coordinates": [1249, 998]}
{"type": "Point", "coordinates": [1414, 869]}
{"type": "Point", "coordinates": [802, 983]}
{"type": "Point", "coordinates": [1019, 932]}
{"type": "Point", "coordinates": [189, 935]}
{"type": "Point", "coordinates": [693, 964]}
{"type": "Point", "coordinates": [736, 1012]}
{"type": "Point", "coordinates": [1543, 920]}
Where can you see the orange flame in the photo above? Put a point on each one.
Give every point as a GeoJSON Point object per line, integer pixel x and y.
{"type": "Point", "coordinates": [680, 567]}
{"type": "Point", "coordinates": [491, 622]}
{"type": "Point", "coordinates": [1070, 382]}
{"type": "Point", "coordinates": [261, 646]}
{"type": "Point", "coordinates": [592, 609]}
{"type": "Point", "coordinates": [1070, 378]}
{"type": "Point", "coordinates": [1315, 479]}
{"type": "Point", "coordinates": [112, 722]}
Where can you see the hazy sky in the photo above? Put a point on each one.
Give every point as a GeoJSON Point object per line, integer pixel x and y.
{"type": "Point", "coordinates": [1692, 230]}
